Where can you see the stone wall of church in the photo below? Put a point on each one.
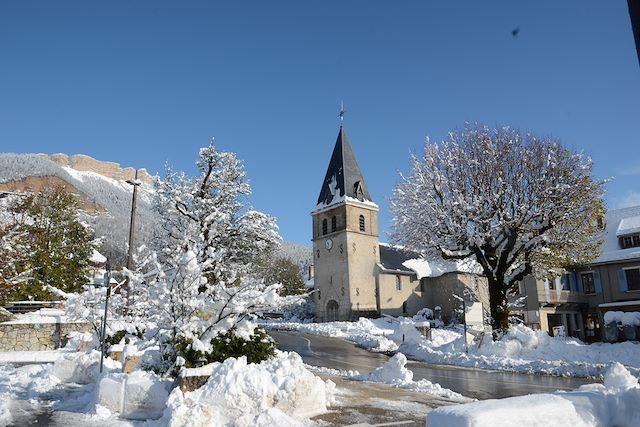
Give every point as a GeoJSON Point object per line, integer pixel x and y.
{"type": "Point", "coordinates": [405, 301]}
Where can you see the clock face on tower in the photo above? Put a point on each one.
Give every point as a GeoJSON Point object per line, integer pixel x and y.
{"type": "Point", "coordinates": [328, 244]}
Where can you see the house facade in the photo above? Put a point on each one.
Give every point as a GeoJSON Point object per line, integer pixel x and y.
{"type": "Point", "coordinates": [579, 300]}
{"type": "Point", "coordinates": [354, 274]}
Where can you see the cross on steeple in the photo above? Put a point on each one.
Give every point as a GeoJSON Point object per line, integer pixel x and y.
{"type": "Point", "coordinates": [341, 114]}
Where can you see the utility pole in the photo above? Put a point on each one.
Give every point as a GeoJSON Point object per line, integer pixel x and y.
{"type": "Point", "coordinates": [132, 228]}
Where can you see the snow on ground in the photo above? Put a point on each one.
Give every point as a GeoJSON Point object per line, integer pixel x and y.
{"type": "Point", "coordinates": [521, 350]}
{"type": "Point", "coordinates": [616, 403]}
{"type": "Point", "coordinates": [280, 391]}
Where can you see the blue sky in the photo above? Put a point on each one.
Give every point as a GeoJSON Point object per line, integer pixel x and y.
{"type": "Point", "coordinates": [144, 83]}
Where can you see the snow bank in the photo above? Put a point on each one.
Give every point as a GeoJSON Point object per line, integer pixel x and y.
{"type": "Point", "coordinates": [81, 368]}
{"type": "Point", "coordinates": [631, 318]}
{"type": "Point", "coordinates": [616, 403]}
{"type": "Point", "coordinates": [137, 396]}
{"type": "Point", "coordinates": [280, 391]}
{"type": "Point", "coordinates": [394, 373]}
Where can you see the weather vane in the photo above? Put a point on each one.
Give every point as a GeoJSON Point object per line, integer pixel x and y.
{"type": "Point", "coordinates": [341, 115]}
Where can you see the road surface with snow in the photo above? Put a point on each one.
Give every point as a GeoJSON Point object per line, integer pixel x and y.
{"type": "Point", "coordinates": [338, 354]}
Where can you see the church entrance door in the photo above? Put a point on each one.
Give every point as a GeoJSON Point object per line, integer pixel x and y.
{"type": "Point", "coordinates": [332, 311]}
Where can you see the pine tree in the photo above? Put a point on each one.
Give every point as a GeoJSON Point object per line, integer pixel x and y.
{"type": "Point", "coordinates": [52, 247]}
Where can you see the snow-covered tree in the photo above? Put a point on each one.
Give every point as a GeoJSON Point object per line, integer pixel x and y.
{"type": "Point", "coordinates": [516, 203]}
{"type": "Point", "coordinates": [50, 246]}
{"type": "Point", "coordinates": [205, 256]}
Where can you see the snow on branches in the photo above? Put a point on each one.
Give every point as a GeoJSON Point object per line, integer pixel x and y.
{"type": "Point", "coordinates": [200, 271]}
{"type": "Point", "coordinates": [517, 203]}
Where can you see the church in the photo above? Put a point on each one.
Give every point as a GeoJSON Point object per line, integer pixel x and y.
{"type": "Point", "coordinates": [357, 276]}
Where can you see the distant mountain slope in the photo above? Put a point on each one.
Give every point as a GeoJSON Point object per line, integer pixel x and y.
{"type": "Point", "coordinates": [103, 194]}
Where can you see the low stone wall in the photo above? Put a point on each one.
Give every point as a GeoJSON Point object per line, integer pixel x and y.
{"type": "Point", "coordinates": [37, 336]}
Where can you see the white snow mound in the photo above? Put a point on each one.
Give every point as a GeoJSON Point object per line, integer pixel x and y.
{"type": "Point", "coordinates": [280, 391]}
{"type": "Point", "coordinates": [392, 372]}
{"type": "Point", "coordinates": [617, 403]}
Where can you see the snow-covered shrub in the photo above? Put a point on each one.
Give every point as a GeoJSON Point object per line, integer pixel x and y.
{"type": "Point", "coordinates": [258, 347]}
{"type": "Point", "coordinates": [423, 314]}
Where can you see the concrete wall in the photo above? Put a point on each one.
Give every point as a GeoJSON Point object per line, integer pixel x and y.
{"type": "Point", "coordinates": [36, 336]}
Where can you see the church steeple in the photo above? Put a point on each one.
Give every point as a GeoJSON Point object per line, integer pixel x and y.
{"type": "Point", "coordinates": [343, 177]}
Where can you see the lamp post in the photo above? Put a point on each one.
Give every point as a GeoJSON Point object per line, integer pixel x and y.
{"type": "Point", "coordinates": [107, 283]}
{"type": "Point", "coordinates": [132, 227]}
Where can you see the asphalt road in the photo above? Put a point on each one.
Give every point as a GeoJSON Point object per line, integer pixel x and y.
{"type": "Point", "coordinates": [477, 383]}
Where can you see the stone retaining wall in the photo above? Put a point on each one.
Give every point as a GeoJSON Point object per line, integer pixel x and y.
{"type": "Point", "coordinates": [36, 336]}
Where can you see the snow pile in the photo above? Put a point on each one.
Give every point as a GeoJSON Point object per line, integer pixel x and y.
{"type": "Point", "coordinates": [280, 391]}
{"type": "Point", "coordinates": [19, 386]}
{"type": "Point", "coordinates": [438, 267]}
{"type": "Point", "coordinates": [137, 396]}
{"type": "Point", "coordinates": [394, 373]}
{"type": "Point", "coordinates": [616, 403]}
{"type": "Point", "coordinates": [81, 368]}
{"type": "Point", "coordinates": [630, 318]}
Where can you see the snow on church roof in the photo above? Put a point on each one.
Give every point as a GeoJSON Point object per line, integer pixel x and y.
{"type": "Point", "coordinates": [395, 258]}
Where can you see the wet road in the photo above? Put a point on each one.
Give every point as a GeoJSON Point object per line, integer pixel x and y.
{"type": "Point", "coordinates": [477, 383]}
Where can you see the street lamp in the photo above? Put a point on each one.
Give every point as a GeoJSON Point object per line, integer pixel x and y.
{"type": "Point", "coordinates": [132, 227]}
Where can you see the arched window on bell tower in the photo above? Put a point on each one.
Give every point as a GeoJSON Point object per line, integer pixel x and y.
{"type": "Point", "coordinates": [334, 223]}
{"type": "Point", "coordinates": [324, 226]}
{"type": "Point", "coordinates": [361, 221]}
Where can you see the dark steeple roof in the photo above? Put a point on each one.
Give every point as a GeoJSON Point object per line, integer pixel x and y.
{"type": "Point", "coordinates": [343, 174]}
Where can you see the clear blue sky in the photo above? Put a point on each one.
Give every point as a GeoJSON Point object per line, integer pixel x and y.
{"type": "Point", "coordinates": [143, 83]}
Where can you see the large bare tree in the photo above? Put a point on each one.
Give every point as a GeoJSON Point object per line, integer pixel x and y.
{"type": "Point", "coordinates": [517, 203]}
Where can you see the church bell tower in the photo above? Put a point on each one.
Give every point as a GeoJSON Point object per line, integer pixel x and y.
{"type": "Point", "coordinates": [345, 240]}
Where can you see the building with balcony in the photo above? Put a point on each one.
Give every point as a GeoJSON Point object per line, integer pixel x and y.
{"type": "Point", "coordinates": [578, 300]}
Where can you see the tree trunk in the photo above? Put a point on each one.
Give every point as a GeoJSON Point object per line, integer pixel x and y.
{"type": "Point", "coordinates": [499, 305]}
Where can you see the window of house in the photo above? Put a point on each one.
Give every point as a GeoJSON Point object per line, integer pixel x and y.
{"type": "Point", "coordinates": [334, 223]}
{"type": "Point", "coordinates": [633, 278]}
{"type": "Point", "coordinates": [588, 285]}
{"type": "Point", "coordinates": [324, 226]}
{"type": "Point", "coordinates": [631, 241]}
{"type": "Point", "coordinates": [361, 220]}
{"type": "Point", "coordinates": [398, 283]}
